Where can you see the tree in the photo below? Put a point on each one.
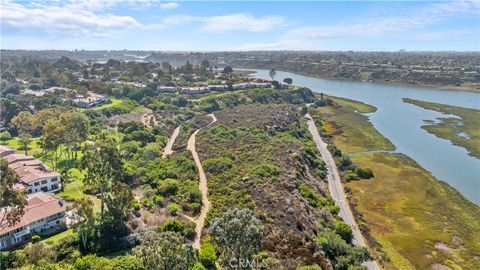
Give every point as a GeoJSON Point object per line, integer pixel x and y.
{"type": "Point", "coordinates": [288, 80]}
{"type": "Point", "coordinates": [238, 233]}
{"type": "Point", "coordinates": [24, 122]}
{"type": "Point", "coordinates": [344, 230]}
{"type": "Point", "coordinates": [119, 201]}
{"type": "Point", "coordinates": [165, 250]}
{"type": "Point", "coordinates": [272, 73]}
{"type": "Point", "coordinates": [84, 219]}
{"type": "Point", "coordinates": [205, 65]}
{"type": "Point", "coordinates": [343, 255]}
{"type": "Point", "coordinates": [207, 255]}
{"type": "Point", "coordinates": [227, 70]}
{"type": "Point", "coordinates": [25, 139]}
{"type": "Point", "coordinates": [8, 109]}
{"type": "Point", "coordinates": [52, 138]}
{"type": "Point", "coordinates": [76, 131]}
{"type": "Point", "coordinates": [104, 167]}
{"type": "Point", "coordinates": [12, 201]}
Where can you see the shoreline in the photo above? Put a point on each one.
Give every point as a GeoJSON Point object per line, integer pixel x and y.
{"type": "Point", "coordinates": [435, 86]}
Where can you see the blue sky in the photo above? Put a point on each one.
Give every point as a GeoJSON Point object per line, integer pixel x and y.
{"type": "Point", "coordinates": [240, 25]}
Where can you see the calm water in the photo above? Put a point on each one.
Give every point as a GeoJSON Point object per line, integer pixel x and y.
{"type": "Point", "coordinates": [401, 123]}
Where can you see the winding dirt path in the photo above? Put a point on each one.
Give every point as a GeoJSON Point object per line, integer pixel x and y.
{"type": "Point", "coordinates": [168, 148]}
{"type": "Point", "coordinates": [200, 221]}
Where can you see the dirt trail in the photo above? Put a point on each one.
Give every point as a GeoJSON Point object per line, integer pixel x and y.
{"type": "Point", "coordinates": [336, 189]}
{"type": "Point", "coordinates": [168, 148]}
{"type": "Point", "coordinates": [200, 221]}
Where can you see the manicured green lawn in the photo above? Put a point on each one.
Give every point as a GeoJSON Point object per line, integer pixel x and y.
{"type": "Point", "coordinates": [57, 237]}
{"type": "Point", "coordinates": [114, 102]}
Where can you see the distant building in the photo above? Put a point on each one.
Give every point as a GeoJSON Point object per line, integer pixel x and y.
{"type": "Point", "coordinates": [44, 215]}
{"type": "Point", "coordinates": [90, 101]}
{"type": "Point", "coordinates": [34, 175]}
{"type": "Point", "coordinates": [167, 89]}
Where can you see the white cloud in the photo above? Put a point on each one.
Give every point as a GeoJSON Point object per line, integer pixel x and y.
{"type": "Point", "coordinates": [73, 18]}
{"type": "Point", "coordinates": [169, 5]}
{"type": "Point", "coordinates": [241, 22]}
{"type": "Point", "coordinates": [223, 23]}
{"type": "Point", "coordinates": [377, 26]}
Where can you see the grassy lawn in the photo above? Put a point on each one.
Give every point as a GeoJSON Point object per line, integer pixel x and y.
{"type": "Point", "coordinates": [114, 102]}
{"type": "Point", "coordinates": [57, 237]}
{"type": "Point", "coordinates": [452, 128]}
{"type": "Point", "coordinates": [406, 209]}
{"type": "Point", "coordinates": [15, 144]}
{"type": "Point", "coordinates": [74, 190]}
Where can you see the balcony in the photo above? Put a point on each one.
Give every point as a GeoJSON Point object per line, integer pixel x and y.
{"type": "Point", "coordinates": [22, 233]}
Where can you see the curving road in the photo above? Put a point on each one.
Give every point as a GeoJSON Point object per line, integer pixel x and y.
{"type": "Point", "coordinates": [336, 190]}
{"type": "Point", "coordinates": [200, 221]}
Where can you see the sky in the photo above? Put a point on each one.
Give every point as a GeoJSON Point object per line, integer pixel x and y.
{"type": "Point", "coordinates": [240, 25]}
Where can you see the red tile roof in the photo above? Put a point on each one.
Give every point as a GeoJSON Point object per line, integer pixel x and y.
{"type": "Point", "coordinates": [39, 205]}
{"type": "Point", "coordinates": [30, 174]}
{"type": "Point", "coordinates": [17, 158]}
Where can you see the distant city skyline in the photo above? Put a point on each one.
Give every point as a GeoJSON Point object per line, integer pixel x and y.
{"type": "Point", "coordinates": [235, 25]}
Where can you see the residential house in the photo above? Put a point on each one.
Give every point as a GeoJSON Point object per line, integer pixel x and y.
{"type": "Point", "coordinates": [44, 214]}
{"type": "Point", "coordinates": [34, 175]}
{"type": "Point", "coordinates": [91, 100]}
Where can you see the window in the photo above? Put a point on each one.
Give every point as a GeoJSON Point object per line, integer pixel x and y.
{"type": "Point", "coordinates": [44, 182]}
{"type": "Point", "coordinates": [54, 179]}
{"type": "Point", "coordinates": [36, 183]}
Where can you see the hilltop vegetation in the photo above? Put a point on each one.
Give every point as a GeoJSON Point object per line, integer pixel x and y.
{"type": "Point", "coordinates": [136, 210]}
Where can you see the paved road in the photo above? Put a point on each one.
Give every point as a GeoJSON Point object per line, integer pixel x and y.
{"type": "Point", "coordinates": [336, 189]}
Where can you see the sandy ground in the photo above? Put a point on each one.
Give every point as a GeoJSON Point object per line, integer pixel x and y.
{"type": "Point", "coordinates": [168, 148]}
{"type": "Point", "coordinates": [200, 221]}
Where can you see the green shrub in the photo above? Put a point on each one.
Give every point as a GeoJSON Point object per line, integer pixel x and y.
{"type": "Point", "coordinates": [173, 225]}
{"type": "Point", "coordinates": [168, 186]}
{"type": "Point", "coordinates": [198, 266]}
{"type": "Point", "coordinates": [321, 173]}
{"type": "Point", "coordinates": [217, 165]}
{"type": "Point", "coordinates": [364, 173]}
{"type": "Point", "coordinates": [127, 263]}
{"type": "Point", "coordinates": [158, 200]}
{"type": "Point", "coordinates": [136, 206]}
{"type": "Point", "coordinates": [194, 195]}
{"type": "Point", "coordinates": [174, 209]}
{"type": "Point", "coordinates": [266, 170]}
{"type": "Point", "coordinates": [344, 230]}
{"type": "Point", "coordinates": [351, 176]}
{"type": "Point", "coordinates": [334, 209]}
{"type": "Point", "coordinates": [5, 136]}
{"type": "Point", "coordinates": [36, 238]}
{"type": "Point", "coordinates": [312, 197]}
{"type": "Point", "coordinates": [207, 255]}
